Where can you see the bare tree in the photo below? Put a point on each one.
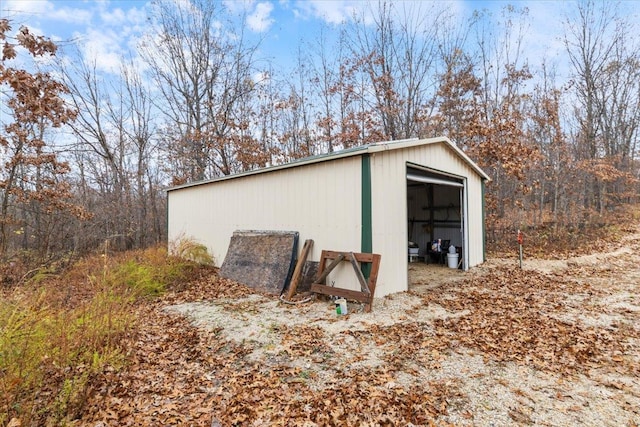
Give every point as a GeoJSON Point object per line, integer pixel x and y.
{"type": "Point", "coordinates": [33, 185]}
{"type": "Point", "coordinates": [140, 129]}
{"type": "Point", "coordinates": [590, 44]}
{"type": "Point", "coordinates": [458, 102]}
{"type": "Point", "coordinates": [618, 102]}
{"type": "Point", "coordinates": [397, 55]}
{"type": "Point", "coordinates": [326, 81]}
{"type": "Point", "coordinates": [204, 70]}
{"type": "Point", "coordinates": [502, 147]}
{"type": "Point", "coordinates": [297, 136]}
{"type": "Point", "coordinates": [553, 176]}
{"type": "Point", "coordinates": [114, 155]}
{"type": "Point", "coordinates": [103, 146]}
{"type": "Point", "coordinates": [333, 75]}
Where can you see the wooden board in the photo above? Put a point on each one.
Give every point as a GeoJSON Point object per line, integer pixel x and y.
{"type": "Point", "coordinates": [262, 260]}
{"type": "Point", "coordinates": [367, 288]}
{"type": "Point", "coordinates": [309, 274]}
{"type": "Point", "coordinates": [297, 272]}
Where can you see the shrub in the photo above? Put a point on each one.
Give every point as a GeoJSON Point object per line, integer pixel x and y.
{"type": "Point", "coordinates": [189, 249]}
{"type": "Point", "coordinates": [58, 331]}
{"type": "Point", "coordinates": [142, 279]}
{"type": "Point", "coordinates": [48, 348]}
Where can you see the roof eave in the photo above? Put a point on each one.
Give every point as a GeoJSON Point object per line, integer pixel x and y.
{"type": "Point", "coordinates": [395, 145]}
{"type": "Point", "coordinates": [297, 163]}
{"type": "Point", "coordinates": [370, 148]}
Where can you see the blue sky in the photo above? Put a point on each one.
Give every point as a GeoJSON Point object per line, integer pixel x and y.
{"type": "Point", "coordinates": [106, 24]}
{"type": "Point", "coordinates": [109, 29]}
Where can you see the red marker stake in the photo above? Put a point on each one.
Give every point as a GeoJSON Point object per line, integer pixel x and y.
{"type": "Point", "coordinates": [520, 242]}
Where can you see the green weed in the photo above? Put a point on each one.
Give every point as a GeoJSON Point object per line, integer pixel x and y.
{"type": "Point", "coordinates": [43, 347]}
{"type": "Point", "coordinates": [58, 331]}
{"type": "Point", "coordinates": [140, 278]}
{"type": "Point", "coordinates": [148, 273]}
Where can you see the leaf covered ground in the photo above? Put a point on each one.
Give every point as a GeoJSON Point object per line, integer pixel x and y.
{"type": "Point", "coordinates": [556, 343]}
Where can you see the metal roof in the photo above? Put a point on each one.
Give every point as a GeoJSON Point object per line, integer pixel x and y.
{"type": "Point", "coordinates": [349, 152]}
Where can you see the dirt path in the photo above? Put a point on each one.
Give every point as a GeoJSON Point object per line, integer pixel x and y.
{"type": "Point", "coordinates": [557, 343]}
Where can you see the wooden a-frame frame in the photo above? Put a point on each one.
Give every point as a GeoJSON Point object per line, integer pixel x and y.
{"type": "Point", "coordinates": [367, 288]}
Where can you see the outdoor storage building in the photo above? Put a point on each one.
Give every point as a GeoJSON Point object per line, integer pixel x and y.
{"type": "Point", "coordinates": [374, 198]}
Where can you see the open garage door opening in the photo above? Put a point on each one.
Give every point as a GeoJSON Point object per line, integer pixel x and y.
{"type": "Point", "coordinates": [436, 215]}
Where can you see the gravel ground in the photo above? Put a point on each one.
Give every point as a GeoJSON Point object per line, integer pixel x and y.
{"type": "Point", "coordinates": [467, 333]}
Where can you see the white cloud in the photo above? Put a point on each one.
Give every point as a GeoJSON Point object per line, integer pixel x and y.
{"type": "Point", "coordinates": [38, 9]}
{"type": "Point", "coordinates": [113, 17]}
{"type": "Point", "coordinates": [238, 6]}
{"type": "Point", "coordinates": [336, 12]}
{"type": "Point", "coordinates": [103, 48]}
{"type": "Point", "coordinates": [260, 20]}
{"type": "Point", "coordinates": [71, 16]}
{"type": "Point", "coordinates": [128, 23]}
{"type": "Point", "coordinates": [544, 39]}
{"type": "Point", "coordinates": [261, 77]}
{"type": "Point", "coordinates": [26, 7]}
{"type": "Point", "coordinates": [333, 12]}
{"type": "Point", "coordinates": [137, 16]}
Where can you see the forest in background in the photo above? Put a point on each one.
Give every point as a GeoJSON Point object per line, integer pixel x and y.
{"type": "Point", "coordinates": [86, 162]}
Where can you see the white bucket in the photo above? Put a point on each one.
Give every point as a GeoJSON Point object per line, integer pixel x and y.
{"type": "Point", "coordinates": [341, 306]}
{"type": "Point", "coordinates": [452, 260]}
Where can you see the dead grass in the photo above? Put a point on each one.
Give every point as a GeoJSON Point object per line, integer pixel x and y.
{"type": "Point", "coordinates": [556, 343]}
{"type": "Point", "coordinates": [60, 330]}
{"type": "Point", "coordinates": [549, 240]}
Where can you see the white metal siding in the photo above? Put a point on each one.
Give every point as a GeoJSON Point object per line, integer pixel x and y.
{"type": "Point", "coordinates": [389, 208]}
{"type": "Point", "coordinates": [475, 221]}
{"type": "Point", "coordinates": [321, 201]}
{"type": "Point", "coordinates": [389, 219]}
